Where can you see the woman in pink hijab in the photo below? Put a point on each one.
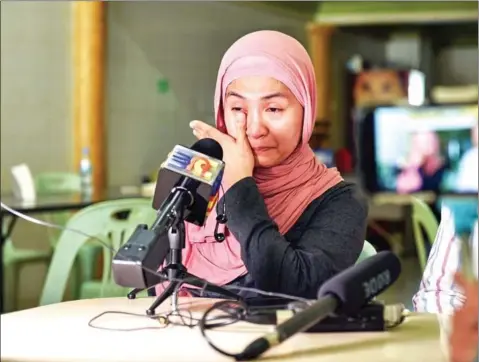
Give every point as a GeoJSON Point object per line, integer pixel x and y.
{"type": "Point", "coordinates": [292, 223]}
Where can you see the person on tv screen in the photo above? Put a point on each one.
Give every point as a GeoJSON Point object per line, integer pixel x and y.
{"type": "Point", "coordinates": [425, 167]}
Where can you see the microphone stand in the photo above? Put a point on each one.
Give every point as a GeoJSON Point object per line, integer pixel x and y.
{"type": "Point", "coordinates": [176, 273]}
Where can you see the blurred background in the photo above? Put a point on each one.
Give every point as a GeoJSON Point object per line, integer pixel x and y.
{"type": "Point", "coordinates": [106, 89]}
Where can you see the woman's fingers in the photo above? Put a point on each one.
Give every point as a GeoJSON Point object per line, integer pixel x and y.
{"type": "Point", "coordinates": [202, 130]}
{"type": "Point", "coordinates": [241, 139]}
{"type": "Point", "coordinates": [459, 280]}
{"type": "Point", "coordinates": [464, 335]}
{"type": "Point", "coordinates": [470, 287]}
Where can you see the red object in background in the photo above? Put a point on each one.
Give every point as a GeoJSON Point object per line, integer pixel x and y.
{"type": "Point", "coordinates": [344, 161]}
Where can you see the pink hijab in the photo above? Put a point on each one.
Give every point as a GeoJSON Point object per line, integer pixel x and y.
{"type": "Point", "coordinates": [288, 188]}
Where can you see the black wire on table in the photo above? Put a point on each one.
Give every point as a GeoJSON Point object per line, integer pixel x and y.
{"type": "Point", "coordinates": [164, 320]}
{"type": "Point", "coordinates": [237, 311]}
{"type": "Point", "coordinates": [241, 312]}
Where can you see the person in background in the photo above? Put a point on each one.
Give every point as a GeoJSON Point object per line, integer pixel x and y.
{"type": "Point", "coordinates": [448, 288]}
{"type": "Point", "coordinates": [425, 167]}
{"type": "Point", "coordinates": [468, 173]}
{"type": "Point", "coordinates": [292, 223]}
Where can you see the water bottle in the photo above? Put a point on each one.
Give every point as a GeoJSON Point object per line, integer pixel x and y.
{"type": "Point", "coordinates": [86, 176]}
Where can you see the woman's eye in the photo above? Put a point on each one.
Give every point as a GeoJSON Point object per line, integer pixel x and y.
{"type": "Point", "coordinates": [274, 110]}
{"type": "Point", "coordinates": [236, 109]}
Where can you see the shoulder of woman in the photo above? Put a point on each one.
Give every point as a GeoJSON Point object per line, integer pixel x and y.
{"type": "Point", "coordinates": [345, 197]}
{"type": "Point", "coordinates": [342, 202]}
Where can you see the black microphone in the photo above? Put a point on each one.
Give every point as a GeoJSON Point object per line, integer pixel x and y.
{"type": "Point", "coordinates": [346, 293]}
{"type": "Point", "coordinates": [186, 190]}
{"type": "Point", "coordinates": [189, 180]}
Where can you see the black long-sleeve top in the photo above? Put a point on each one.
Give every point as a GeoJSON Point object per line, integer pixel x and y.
{"type": "Point", "coordinates": [327, 238]}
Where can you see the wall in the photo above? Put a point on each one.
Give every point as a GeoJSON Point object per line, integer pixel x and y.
{"type": "Point", "coordinates": [345, 44]}
{"type": "Point", "coordinates": [457, 65]}
{"type": "Point", "coordinates": [36, 87]}
{"type": "Point", "coordinates": [183, 43]}
{"type": "Point", "coordinates": [404, 50]}
{"type": "Point", "coordinates": [36, 123]}
{"type": "Point", "coordinates": [452, 64]}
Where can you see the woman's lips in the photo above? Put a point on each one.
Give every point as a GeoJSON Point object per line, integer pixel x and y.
{"type": "Point", "coordinates": [261, 149]}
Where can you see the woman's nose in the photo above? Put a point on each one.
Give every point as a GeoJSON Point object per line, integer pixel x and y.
{"type": "Point", "coordinates": [255, 127]}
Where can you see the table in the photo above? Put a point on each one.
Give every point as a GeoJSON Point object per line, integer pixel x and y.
{"type": "Point", "coordinates": [45, 204]}
{"type": "Point", "coordinates": [50, 203]}
{"type": "Point", "coordinates": [59, 332]}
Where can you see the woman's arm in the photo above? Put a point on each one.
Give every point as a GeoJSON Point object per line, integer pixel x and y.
{"type": "Point", "coordinates": [331, 238]}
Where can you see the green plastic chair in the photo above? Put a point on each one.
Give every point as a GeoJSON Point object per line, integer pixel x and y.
{"type": "Point", "coordinates": [112, 222]}
{"type": "Point", "coordinates": [57, 183]}
{"type": "Point", "coordinates": [367, 252]}
{"type": "Point", "coordinates": [14, 258]}
{"type": "Point", "coordinates": [54, 183]}
{"type": "Point", "coordinates": [423, 219]}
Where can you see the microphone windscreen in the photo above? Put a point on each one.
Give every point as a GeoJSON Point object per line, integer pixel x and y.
{"type": "Point", "coordinates": [359, 284]}
{"type": "Point", "coordinates": [208, 147]}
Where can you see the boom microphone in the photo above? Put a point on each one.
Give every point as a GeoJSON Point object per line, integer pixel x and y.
{"type": "Point", "coordinates": [345, 293]}
{"type": "Point", "coordinates": [186, 190]}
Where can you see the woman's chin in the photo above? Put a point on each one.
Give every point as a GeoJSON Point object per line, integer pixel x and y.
{"type": "Point", "coordinates": [262, 161]}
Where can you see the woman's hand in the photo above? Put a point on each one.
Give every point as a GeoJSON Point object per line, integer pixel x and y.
{"type": "Point", "coordinates": [237, 153]}
{"type": "Point", "coordinates": [463, 338]}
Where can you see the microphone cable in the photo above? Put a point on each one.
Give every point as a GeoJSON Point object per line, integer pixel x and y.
{"type": "Point", "coordinates": [166, 319]}
{"type": "Point", "coordinates": [221, 218]}
{"type": "Point", "coordinates": [239, 311]}
{"type": "Point", "coordinates": [394, 315]}
{"type": "Point", "coordinates": [233, 311]}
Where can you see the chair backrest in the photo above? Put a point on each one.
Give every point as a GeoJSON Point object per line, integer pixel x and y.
{"type": "Point", "coordinates": [56, 183]}
{"type": "Point", "coordinates": [51, 183]}
{"type": "Point", "coordinates": [423, 219]}
{"type": "Point", "coordinates": [368, 251]}
{"type": "Point", "coordinates": [111, 221]}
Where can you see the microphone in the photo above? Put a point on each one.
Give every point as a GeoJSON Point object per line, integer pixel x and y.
{"type": "Point", "coordinates": [189, 178]}
{"type": "Point", "coordinates": [186, 190]}
{"type": "Point", "coordinates": [346, 293]}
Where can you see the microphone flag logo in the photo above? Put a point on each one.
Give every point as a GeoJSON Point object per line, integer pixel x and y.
{"type": "Point", "coordinates": [194, 164]}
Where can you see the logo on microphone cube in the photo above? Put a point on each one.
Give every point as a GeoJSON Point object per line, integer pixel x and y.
{"type": "Point", "coordinates": [194, 164]}
{"type": "Point", "coordinates": [376, 284]}
{"type": "Point", "coordinates": [215, 193]}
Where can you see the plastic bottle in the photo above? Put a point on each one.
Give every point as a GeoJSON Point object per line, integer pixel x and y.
{"type": "Point", "coordinates": [86, 175]}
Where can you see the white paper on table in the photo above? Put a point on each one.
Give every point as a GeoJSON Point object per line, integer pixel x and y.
{"type": "Point", "coordinates": [23, 183]}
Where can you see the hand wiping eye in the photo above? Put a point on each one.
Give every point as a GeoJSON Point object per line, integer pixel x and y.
{"type": "Point", "coordinates": [238, 157]}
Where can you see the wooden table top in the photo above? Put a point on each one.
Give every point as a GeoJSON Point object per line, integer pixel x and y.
{"type": "Point", "coordinates": [60, 332]}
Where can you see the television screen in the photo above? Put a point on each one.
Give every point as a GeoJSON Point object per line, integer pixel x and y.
{"type": "Point", "coordinates": [418, 149]}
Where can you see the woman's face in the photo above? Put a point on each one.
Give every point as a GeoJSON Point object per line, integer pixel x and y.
{"type": "Point", "coordinates": [426, 143]}
{"type": "Point", "coordinates": [273, 115]}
